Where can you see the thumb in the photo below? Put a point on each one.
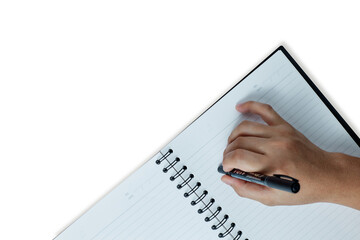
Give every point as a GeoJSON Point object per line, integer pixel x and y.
{"type": "Point", "coordinates": [249, 190]}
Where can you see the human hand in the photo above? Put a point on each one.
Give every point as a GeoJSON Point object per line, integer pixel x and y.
{"type": "Point", "coordinates": [278, 148]}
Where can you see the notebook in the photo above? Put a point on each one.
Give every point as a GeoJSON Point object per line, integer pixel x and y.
{"type": "Point", "coordinates": [178, 194]}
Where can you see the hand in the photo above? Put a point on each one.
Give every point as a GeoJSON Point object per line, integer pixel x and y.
{"type": "Point", "coordinates": [278, 148]}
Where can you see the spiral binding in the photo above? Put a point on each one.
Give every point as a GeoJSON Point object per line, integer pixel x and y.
{"type": "Point", "coordinates": [171, 165]}
{"type": "Point", "coordinates": [186, 181]}
{"type": "Point", "coordinates": [207, 206]}
{"type": "Point", "coordinates": [200, 198]}
{"type": "Point", "coordinates": [192, 190]}
{"type": "Point", "coordinates": [214, 215]}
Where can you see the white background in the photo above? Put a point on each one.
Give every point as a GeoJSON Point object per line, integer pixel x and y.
{"type": "Point", "coordinates": [89, 90]}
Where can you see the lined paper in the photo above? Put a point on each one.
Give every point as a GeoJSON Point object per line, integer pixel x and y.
{"type": "Point", "coordinates": [279, 84]}
{"type": "Point", "coordinates": [147, 205]}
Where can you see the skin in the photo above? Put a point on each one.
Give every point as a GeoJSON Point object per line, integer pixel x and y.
{"type": "Point", "coordinates": [278, 148]}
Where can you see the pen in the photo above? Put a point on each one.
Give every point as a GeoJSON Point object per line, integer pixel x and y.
{"type": "Point", "coordinates": [278, 181]}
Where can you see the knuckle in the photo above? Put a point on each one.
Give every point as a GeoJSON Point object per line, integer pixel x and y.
{"type": "Point", "coordinates": [287, 129]}
{"type": "Point", "coordinates": [238, 154]}
{"type": "Point", "coordinates": [240, 129]}
{"type": "Point", "coordinates": [230, 159]}
{"type": "Point", "coordinates": [288, 144]}
{"type": "Point", "coordinates": [284, 144]}
{"type": "Point", "coordinates": [268, 107]}
{"type": "Point", "coordinates": [275, 144]}
{"type": "Point", "coordinates": [245, 123]}
{"type": "Point", "coordinates": [284, 130]}
{"type": "Point", "coordinates": [226, 164]}
{"type": "Point", "coordinates": [226, 159]}
{"type": "Point", "coordinates": [239, 140]}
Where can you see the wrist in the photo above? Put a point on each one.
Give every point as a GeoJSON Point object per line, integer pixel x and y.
{"type": "Point", "coordinates": [344, 187]}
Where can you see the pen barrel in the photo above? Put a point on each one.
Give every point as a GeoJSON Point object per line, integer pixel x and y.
{"type": "Point", "coordinates": [282, 184]}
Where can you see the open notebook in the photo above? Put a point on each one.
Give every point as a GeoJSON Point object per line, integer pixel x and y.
{"type": "Point", "coordinates": [150, 204]}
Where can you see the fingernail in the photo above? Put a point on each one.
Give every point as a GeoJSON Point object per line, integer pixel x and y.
{"type": "Point", "coordinates": [239, 107]}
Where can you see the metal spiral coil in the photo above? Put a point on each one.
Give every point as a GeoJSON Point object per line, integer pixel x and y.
{"type": "Point", "coordinates": [192, 190]}
{"type": "Point", "coordinates": [207, 206]}
{"type": "Point", "coordinates": [199, 198]}
{"type": "Point", "coordinates": [212, 216]}
{"type": "Point", "coordinates": [185, 182]}
{"type": "Point", "coordinates": [238, 235]}
{"type": "Point", "coordinates": [178, 174]}
{"type": "Point", "coordinates": [167, 168]}
{"type": "Point", "coordinates": [224, 234]}
{"type": "Point", "coordinates": [164, 157]}
{"type": "Point", "coordinates": [222, 222]}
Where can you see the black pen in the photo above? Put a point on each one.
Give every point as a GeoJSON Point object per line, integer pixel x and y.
{"type": "Point", "coordinates": [278, 181]}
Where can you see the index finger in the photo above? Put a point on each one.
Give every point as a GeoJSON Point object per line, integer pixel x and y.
{"type": "Point", "coordinates": [265, 111]}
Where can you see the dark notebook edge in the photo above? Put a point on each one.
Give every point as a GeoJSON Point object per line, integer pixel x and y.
{"type": "Point", "coordinates": [321, 96]}
{"type": "Point", "coordinates": [307, 79]}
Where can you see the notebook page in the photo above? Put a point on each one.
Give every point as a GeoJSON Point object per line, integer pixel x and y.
{"type": "Point", "coordinates": [201, 145]}
{"type": "Point", "coordinates": [145, 204]}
